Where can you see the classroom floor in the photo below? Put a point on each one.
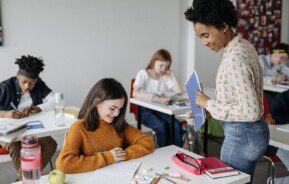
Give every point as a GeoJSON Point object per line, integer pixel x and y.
{"type": "Point", "coordinates": [8, 174]}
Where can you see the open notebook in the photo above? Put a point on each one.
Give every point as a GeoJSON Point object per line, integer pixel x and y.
{"type": "Point", "coordinates": [122, 173]}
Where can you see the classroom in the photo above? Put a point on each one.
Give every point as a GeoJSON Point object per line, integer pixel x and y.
{"type": "Point", "coordinates": [147, 91]}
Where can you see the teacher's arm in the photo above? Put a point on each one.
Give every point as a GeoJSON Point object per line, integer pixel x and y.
{"type": "Point", "coordinates": [245, 101]}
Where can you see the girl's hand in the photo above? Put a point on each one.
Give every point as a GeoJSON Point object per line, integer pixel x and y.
{"type": "Point", "coordinates": [169, 73]}
{"type": "Point", "coordinates": [118, 154]}
{"type": "Point", "coordinates": [201, 99]}
{"type": "Point", "coordinates": [30, 110]}
{"type": "Point", "coordinates": [161, 99]}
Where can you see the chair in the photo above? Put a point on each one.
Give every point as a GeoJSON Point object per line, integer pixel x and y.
{"type": "Point", "coordinates": [132, 117]}
{"type": "Point", "coordinates": [272, 159]}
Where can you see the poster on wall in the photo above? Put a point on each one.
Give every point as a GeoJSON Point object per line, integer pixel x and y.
{"type": "Point", "coordinates": [260, 23]}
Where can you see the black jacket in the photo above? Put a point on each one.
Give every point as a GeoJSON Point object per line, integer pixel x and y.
{"type": "Point", "coordinates": [10, 91]}
{"type": "Point", "coordinates": [279, 108]}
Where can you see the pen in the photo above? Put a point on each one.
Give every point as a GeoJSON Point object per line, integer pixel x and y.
{"type": "Point", "coordinates": [101, 152]}
{"type": "Point", "coordinates": [165, 178]}
{"type": "Point", "coordinates": [13, 106]}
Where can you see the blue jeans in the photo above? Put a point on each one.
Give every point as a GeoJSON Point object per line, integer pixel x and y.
{"type": "Point", "coordinates": [244, 144]}
{"type": "Point", "coordinates": [158, 122]}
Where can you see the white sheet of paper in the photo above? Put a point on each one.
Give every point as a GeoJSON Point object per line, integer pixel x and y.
{"type": "Point", "coordinates": [120, 173]}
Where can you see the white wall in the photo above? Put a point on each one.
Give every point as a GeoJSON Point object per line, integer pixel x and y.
{"type": "Point", "coordinates": [82, 41]}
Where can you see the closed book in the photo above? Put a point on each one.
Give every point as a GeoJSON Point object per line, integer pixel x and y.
{"type": "Point", "coordinates": [8, 126]}
{"type": "Point", "coordinates": [216, 168]}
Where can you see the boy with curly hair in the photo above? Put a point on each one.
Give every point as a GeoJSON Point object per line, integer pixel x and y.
{"type": "Point", "coordinates": [29, 95]}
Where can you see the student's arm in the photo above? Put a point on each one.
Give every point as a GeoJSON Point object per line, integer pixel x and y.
{"type": "Point", "coordinates": [47, 95]}
{"type": "Point", "coordinates": [279, 108]}
{"type": "Point", "coordinates": [48, 102]}
{"type": "Point", "coordinates": [138, 93]}
{"type": "Point", "coordinates": [71, 160]}
{"type": "Point", "coordinates": [137, 143]}
{"type": "Point", "coordinates": [284, 70]}
{"type": "Point", "coordinates": [268, 69]}
{"type": "Point", "coordinates": [139, 85]}
{"type": "Point", "coordinates": [4, 113]}
{"type": "Point", "coordinates": [174, 82]}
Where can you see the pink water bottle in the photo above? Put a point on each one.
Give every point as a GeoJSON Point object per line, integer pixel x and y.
{"type": "Point", "coordinates": [31, 160]}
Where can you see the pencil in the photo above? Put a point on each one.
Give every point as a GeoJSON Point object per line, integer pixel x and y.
{"type": "Point", "coordinates": [165, 178]}
{"type": "Point", "coordinates": [280, 50]}
{"type": "Point", "coordinates": [156, 180]}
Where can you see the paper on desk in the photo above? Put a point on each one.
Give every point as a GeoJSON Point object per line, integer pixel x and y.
{"type": "Point", "coordinates": [120, 173]}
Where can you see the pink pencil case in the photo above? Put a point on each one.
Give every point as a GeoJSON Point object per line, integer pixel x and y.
{"type": "Point", "coordinates": [189, 163]}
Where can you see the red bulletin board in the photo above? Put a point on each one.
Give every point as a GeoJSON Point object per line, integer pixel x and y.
{"type": "Point", "coordinates": [260, 23]}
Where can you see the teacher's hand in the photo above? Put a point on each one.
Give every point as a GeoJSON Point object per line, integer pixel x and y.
{"type": "Point", "coordinates": [201, 99]}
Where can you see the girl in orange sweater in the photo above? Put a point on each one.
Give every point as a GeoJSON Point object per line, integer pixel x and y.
{"type": "Point", "coordinates": [101, 136]}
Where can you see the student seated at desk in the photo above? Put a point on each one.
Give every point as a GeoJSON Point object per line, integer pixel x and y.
{"type": "Point", "coordinates": [23, 95]}
{"type": "Point", "coordinates": [102, 137]}
{"type": "Point", "coordinates": [279, 114]}
{"type": "Point", "coordinates": [274, 64]}
{"type": "Point", "coordinates": [152, 83]}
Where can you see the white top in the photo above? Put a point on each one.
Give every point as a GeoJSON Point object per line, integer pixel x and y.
{"type": "Point", "coordinates": [239, 84]}
{"type": "Point", "coordinates": [47, 105]}
{"type": "Point", "coordinates": [158, 160]}
{"type": "Point", "coordinates": [269, 70]}
{"type": "Point", "coordinates": [144, 81]}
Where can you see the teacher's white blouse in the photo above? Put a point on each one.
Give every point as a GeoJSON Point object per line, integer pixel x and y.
{"type": "Point", "coordinates": [239, 84]}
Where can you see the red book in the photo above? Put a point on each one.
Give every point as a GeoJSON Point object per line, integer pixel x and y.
{"type": "Point", "coordinates": [216, 168]}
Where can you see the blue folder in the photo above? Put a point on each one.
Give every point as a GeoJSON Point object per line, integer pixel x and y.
{"type": "Point", "coordinates": [192, 85]}
{"type": "Point", "coordinates": [35, 125]}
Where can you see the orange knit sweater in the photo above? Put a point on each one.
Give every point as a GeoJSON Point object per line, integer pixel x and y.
{"type": "Point", "coordinates": [80, 147]}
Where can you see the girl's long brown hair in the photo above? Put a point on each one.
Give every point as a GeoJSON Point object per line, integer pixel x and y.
{"type": "Point", "coordinates": [105, 89]}
{"type": "Point", "coordinates": [161, 55]}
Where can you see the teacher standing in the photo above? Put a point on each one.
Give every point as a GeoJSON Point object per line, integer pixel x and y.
{"type": "Point", "coordinates": [239, 84]}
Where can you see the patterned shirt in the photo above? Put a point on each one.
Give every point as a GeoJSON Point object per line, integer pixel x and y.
{"type": "Point", "coordinates": [239, 84]}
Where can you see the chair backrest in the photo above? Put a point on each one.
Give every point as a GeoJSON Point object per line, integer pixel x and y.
{"type": "Point", "coordinates": [132, 107]}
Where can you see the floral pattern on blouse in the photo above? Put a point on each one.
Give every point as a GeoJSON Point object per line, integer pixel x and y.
{"type": "Point", "coordinates": [239, 84]}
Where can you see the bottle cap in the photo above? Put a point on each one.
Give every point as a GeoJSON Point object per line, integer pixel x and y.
{"type": "Point", "coordinates": [29, 141]}
{"type": "Point", "coordinates": [58, 96]}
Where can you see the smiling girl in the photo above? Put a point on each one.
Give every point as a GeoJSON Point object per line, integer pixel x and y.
{"type": "Point", "coordinates": [101, 136]}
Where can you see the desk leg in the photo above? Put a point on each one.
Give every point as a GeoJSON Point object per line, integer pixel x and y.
{"type": "Point", "coordinates": [172, 130]}
{"type": "Point", "coordinates": [205, 143]}
{"type": "Point", "coordinates": [139, 117]}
